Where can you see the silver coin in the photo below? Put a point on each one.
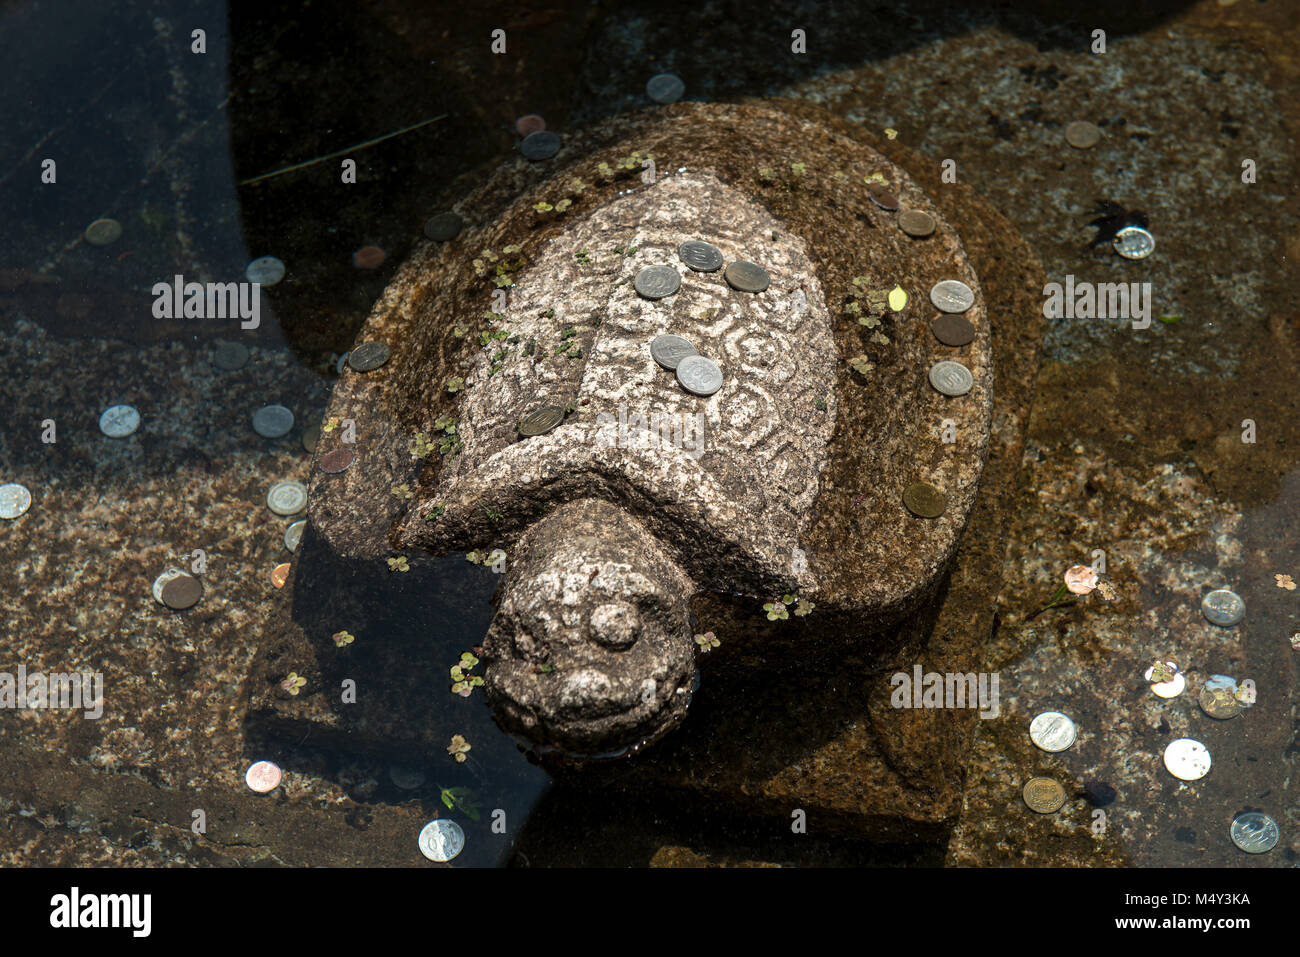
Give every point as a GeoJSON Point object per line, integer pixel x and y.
{"type": "Point", "coordinates": [1254, 832]}
{"type": "Point", "coordinates": [293, 535]}
{"type": "Point", "coordinates": [287, 498]}
{"type": "Point", "coordinates": [161, 581]}
{"type": "Point", "coordinates": [230, 356]}
{"type": "Point", "coordinates": [540, 145]}
{"type": "Point", "coordinates": [119, 421]}
{"type": "Point", "coordinates": [699, 375]}
{"type": "Point", "coordinates": [665, 88]}
{"type": "Point", "coordinates": [1223, 607]}
{"type": "Point", "coordinates": [656, 282]}
{"type": "Point", "coordinates": [1134, 242]}
{"type": "Point", "coordinates": [700, 256]}
{"type": "Point", "coordinates": [951, 295]}
{"type": "Point", "coordinates": [1052, 731]}
{"type": "Point", "coordinates": [1167, 689]}
{"type": "Point", "coordinates": [668, 351]}
{"type": "Point", "coordinates": [272, 421]}
{"type": "Point", "coordinates": [747, 276]}
{"type": "Point", "coordinates": [408, 779]}
{"type": "Point", "coordinates": [265, 271]}
{"type": "Point", "coordinates": [540, 420]}
{"type": "Point", "coordinates": [1187, 759]}
{"type": "Point", "coordinates": [951, 378]}
{"type": "Point", "coordinates": [369, 356]}
{"type": "Point", "coordinates": [441, 840]}
{"type": "Point", "coordinates": [14, 500]}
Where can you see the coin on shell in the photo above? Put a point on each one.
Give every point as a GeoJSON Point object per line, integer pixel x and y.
{"type": "Point", "coordinates": [272, 421]}
{"type": "Point", "coordinates": [265, 271]}
{"type": "Point", "coordinates": [263, 776]}
{"type": "Point", "coordinates": [952, 295]}
{"type": "Point", "coordinates": [14, 500]}
{"type": "Point", "coordinates": [924, 501]}
{"type": "Point", "coordinates": [747, 276]}
{"type": "Point", "coordinates": [1134, 242]}
{"type": "Point", "coordinates": [119, 421]}
{"type": "Point", "coordinates": [669, 350]}
{"type": "Point", "coordinates": [656, 282]}
{"type": "Point", "coordinates": [541, 420]}
{"type": "Point", "coordinates": [1044, 795]}
{"type": "Point", "coordinates": [1254, 832]}
{"type": "Point", "coordinates": [1187, 759]}
{"type": "Point", "coordinates": [665, 88]}
{"type": "Point", "coordinates": [441, 840]}
{"type": "Point", "coordinates": [287, 498]}
{"type": "Point", "coordinates": [369, 356]}
{"type": "Point", "coordinates": [916, 223]}
{"type": "Point", "coordinates": [540, 145]}
{"type": "Point", "coordinates": [1053, 731]}
{"type": "Point", "coordinates": [951, 378]}
{"type": "Point", "coordinates": [1223, 607]}
{"type": "Point", "coordinates": [699, 375]}
{"type": "Point", "coordinates": [700, 256]}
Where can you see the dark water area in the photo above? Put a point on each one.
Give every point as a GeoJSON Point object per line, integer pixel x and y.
{"type": "Point", "coordinates": [1171, 450]}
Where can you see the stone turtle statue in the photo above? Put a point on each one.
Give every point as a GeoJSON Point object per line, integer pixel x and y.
{"type": "Point", "coordinates": [618, 495]}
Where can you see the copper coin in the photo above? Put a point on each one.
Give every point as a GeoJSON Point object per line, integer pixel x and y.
{"type": "Point", "coordinates": [915, 223]}
{"type": "Point", "coordinates": [952, 329]}
{"type": "Point", "coordinates": [336, 461]}
{"type": "Point", "coordinates": [532, 123]}
{"type": "Point", "coordinates": [369, 257]}
{"type": "Point", "coordinates": [263, 776]}
{"type": "Point", "coordinates": [1044, 795]}
{"type": "Point", "coordinates": [182, 592]}
{"type": "Point", "coordinates": [883, 198]}
{"type": "Point", "coordinates": [280, 575]}
{"type": "Point", "coordinates": [924, 501]}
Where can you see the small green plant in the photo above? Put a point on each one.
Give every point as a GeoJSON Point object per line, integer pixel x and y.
{"type": "Point", "coordinates": [460, 799]}
{"type": "Point", "coordinates": [343, 638]}
{"type": "Point", "coordinates": [446, 423]}
{"type": "Point", "coordinates": [820, 404]}
{"type": "Point", "coordinates": [798, 169]}
{"type": "Point", "coordinates": [293, 683]}
{"type": "Point", "coordinates": [577, 185]}
{"type": "Point", "coordinates": [766, 172]}
{"type": "Point", "coordinates": [435, 513]}
{"type": "Point", "coordinates": [458, 748]}
{"type": "Point", "coordinates": [861, 365]}
{"type": "Point", "coordinates": [455, 384]}
{"type": "Point", "coordinates": [449, 445]}
{"type": "Point", "coordinates": [403, 491]}
{"type": "Point", "coordinates": [463, 683]}
{"type": "Point", "coordinates": [582, 256]}
{"type": "Point", "coordinates": [707, 641]}
{"type": "Point", "coordinates": [421, 446]}
{"type": "Point", "coordinates": [398, 564]}
{"type": "Point", "coordinates": [543, 207]}
{"type": "Point", "coordinates": [775, 611]}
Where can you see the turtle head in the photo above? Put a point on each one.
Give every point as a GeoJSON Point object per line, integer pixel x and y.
{"type": "Point", "coordinates": [590, 651]}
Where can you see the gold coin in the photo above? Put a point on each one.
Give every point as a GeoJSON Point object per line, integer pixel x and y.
{"type": "Point", "coordinates": [1044, 795]}
{"type": "Point", "coordinates": [924, 501]}
{"type": "Point", "coordinates": [1218, 703]}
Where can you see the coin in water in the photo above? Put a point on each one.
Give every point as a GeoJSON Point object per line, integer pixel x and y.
{"type": "Point", "coordinates": [665, 88]}
{"type": "Point", "coordinates": [532, 123]}
{"type": "Point", "coordinates": [700, 256]}
{"type": "Point", "coordinates": [1170, 688]}
{"type": "Point", "coordinates": [541, 420]}
{"type": "Point", "coordinates": [699, 375]}
{"type": "Point", "coordinates": [230, 356]}
{"type": "Point", "coordinates": [1218, 703]}
{"type": "Point", "coordinates": [181, 592]}
{"type": "Point", "coordinates": [14, 500]}
{"type": "Point", "coordinates": [883, 198]}
{"type": "Point", "coordinates": [368, 356]}
{"type": "Point", "coordinates": [287, 498]}
{"type": "Point", "coordinates": [747, 276]}
{"type": "Point", "coordinates": [441, 840]}
{"type": "Point", "coordinates": [280, 574]}
{"type": "Point", "coordinates": [119, 421]}
{"type": "Point", "coordinates": [293, 534]}
{"type": "Point", "coordinates": [540, 145]}
{"type": "Point", "coordinates": [1082, 135]}
{"type": "Point", "coordinates": [951, 378]}
{"type": "Point", "coordinates": [1223, 607]}
{"type": "Point", "coordinates": [272, 421]}
{"type": "Point", "coordinates": [369, 257]}
{"type": "Point", "coordinates": [263, 776]}
{"type": "Point", "coordinates": [265, 271]}
{"type": "Point", "coordinates": [952, 329]}
{"type": "Point", "coordinates": [310, 438]}
{"type": "Point", "coordinates": [951, 295]}
{"type": "Point", "coordinates": [1052, 731]}
{"type": "Point", "coordinates": [408, 779]}
{"type": "Point", "coordinates": [103, 231]}
{"type": "Point", "coordinates": [161, 581]}
{"type": "Point", "coordinates": [916, 223]}
{"type": "Point", "coordinates": [1254, 832]}
{"type": "Point", "coordinates": [656, 282]}
{"type": "Point", "coordinates": [668, 350]}
{"type": "Point", "coordinates": [1134, 242]}
{"type": "Point", "coordinates": [444, 226]}
{"type": "Point", "coordinates": [1044, 795]}
{"type": "Point", "coordinates": [924, 501]}
{"type": "Point", "coordinates": [337, 460]}
{"type": "Point", "coordinates": [1187, 759]}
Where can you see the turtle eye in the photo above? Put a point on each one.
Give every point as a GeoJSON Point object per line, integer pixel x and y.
{"type": "Point", "coordinates": [615, 625]}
